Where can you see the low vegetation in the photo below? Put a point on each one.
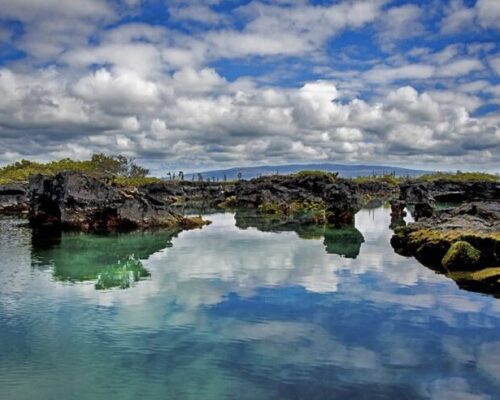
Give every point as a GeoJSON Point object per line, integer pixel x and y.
{"type": "Point", "coordinates": [459, 177]}
{"type": "Point", "coordinates": [332, 176]}
{"type": "Point", "coordinates": [120, 170]}
{"type": "Point", "coordinates": [390, 179]}
{"type": "Point", "coordinates": [393, 180]}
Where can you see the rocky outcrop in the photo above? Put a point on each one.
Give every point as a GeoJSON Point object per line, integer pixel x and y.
{"type": "Point", "coordinates": [462, 241]}
{"type": "Point", "coordinates": [327, 199]}
{"type": "Point", "coordinates": [71, 200]}
{"type": "Point", "coordinates": [416, 192]}
{"type": "Point", "coordinates": [423, 196]}
{"type": "Point", "coordinates": [13, 198]}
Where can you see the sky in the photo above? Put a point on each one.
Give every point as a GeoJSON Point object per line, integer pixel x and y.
{"type": "Point", "coordinates": [185, 84]}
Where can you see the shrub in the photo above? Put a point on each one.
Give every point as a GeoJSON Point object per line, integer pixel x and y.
{"type": "Point", "coordinates": [99, 166]}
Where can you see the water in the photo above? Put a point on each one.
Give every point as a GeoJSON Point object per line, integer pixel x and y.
{"type": "Point", "coordinates": [231, 313]}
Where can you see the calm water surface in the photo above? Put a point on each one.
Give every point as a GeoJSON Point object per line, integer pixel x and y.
{"type": "Point", "coordinates": [231, 313]}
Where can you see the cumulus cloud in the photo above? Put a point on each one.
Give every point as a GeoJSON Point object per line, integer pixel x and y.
{"type": "Point", "coordinates": [93, 81]}
{"type": "Point", "coordinates": [174, 119]}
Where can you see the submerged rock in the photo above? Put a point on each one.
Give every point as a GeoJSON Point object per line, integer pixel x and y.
{"type": "Point", "coordinates": [72, 200]}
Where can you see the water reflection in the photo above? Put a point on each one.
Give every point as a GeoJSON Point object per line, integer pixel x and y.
{"type": "Point", "coordinates": [111, 260]}
{"type": "Point", "coordinates": [345, 242]}
{"type": "Point", "coordinates": [247, 314]}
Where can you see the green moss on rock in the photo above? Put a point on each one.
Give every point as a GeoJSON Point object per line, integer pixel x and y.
{"type": "Point", "coordinates": [461, 255]}
{"type": "Point", "coordinates": [122, 275]}
{"type": "Point", "coordinates": [230, 202]}
{"type": "Point", "coordinates": [315, 210]}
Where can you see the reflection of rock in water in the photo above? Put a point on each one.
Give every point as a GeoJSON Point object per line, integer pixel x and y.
{"type": "Point", "coordinates": [345, 242]}
{"type": "Point", "coordinates": [113, 260]}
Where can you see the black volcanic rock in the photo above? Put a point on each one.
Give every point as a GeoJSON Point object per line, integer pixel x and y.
{"type": "Point", "coordinates": [72, 200]}
{"type": "Point", "coordinates": [340, 198]}
{"type": "Point", "coordinates": [182, 192]}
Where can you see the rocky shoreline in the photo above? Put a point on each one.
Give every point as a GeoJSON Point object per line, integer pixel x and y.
{"type": "Point", "coordinates": [462, 242]}
{"type": "Point", "coordinates": [74, 201]}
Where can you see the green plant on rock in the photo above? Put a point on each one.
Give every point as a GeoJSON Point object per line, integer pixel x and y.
{"type": "Point", "coordinates": [230, 202]}
{"type": "Point", "coordinates": [461, 254]}
{"type": "Point", "coordinates": [331, 176]}
{"type": "Point", "coordinates": [273, 208]}
{"type": "Point", "coordinates": [459, 176]}
{"type": "Point", "coordinates": [389, 179]}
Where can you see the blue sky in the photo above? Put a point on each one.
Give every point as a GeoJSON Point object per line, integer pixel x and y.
{"type": "Point", "coordinates": [201, 84]}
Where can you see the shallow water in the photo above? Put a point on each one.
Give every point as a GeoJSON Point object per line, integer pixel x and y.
{"type": "Point", "coordinates": [230, 313]}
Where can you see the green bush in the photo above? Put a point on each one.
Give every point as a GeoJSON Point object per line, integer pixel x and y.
{"type": "Point", "coordinates": [99, 166]}
{"type": "Point", "coordinates": [317, 173]}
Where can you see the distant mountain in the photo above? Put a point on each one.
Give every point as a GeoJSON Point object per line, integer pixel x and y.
{"type": "Point", "coordinates": [346, 171]}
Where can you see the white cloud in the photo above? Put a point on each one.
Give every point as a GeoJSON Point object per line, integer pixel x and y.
{"type": "Point", "coordinates": [495, 64]}
{"type": "Point", "coordinates": [384, 74]}
{"type": "Point", "coordinates": [196, 115]}
{"type": "Point", "coordinates": [460, 67]}
{"type": "Point", "coordinates": [157, 92]}
{"type": "Point", "coordinates": [484, 14]}
{"type": "Point", "coordinates": [400, 23]}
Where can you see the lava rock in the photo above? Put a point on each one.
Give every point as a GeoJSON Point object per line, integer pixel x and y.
{"type": "Point", "coordinates": [72, 200]}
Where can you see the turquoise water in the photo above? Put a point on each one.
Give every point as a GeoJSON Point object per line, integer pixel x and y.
{"type": "Point", "coordinates": [278, 312]}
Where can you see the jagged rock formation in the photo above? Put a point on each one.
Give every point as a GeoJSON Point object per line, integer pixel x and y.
{"type": "Point", "coordinates": [424, 195]}
{"type": "Point", "coordinates": [331, 200]}
{"type": "Point", "coordinates": [72, 200]}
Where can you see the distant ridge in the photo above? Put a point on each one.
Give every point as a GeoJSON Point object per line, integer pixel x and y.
{"type": "Point", "coordinates": [346, 171]}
